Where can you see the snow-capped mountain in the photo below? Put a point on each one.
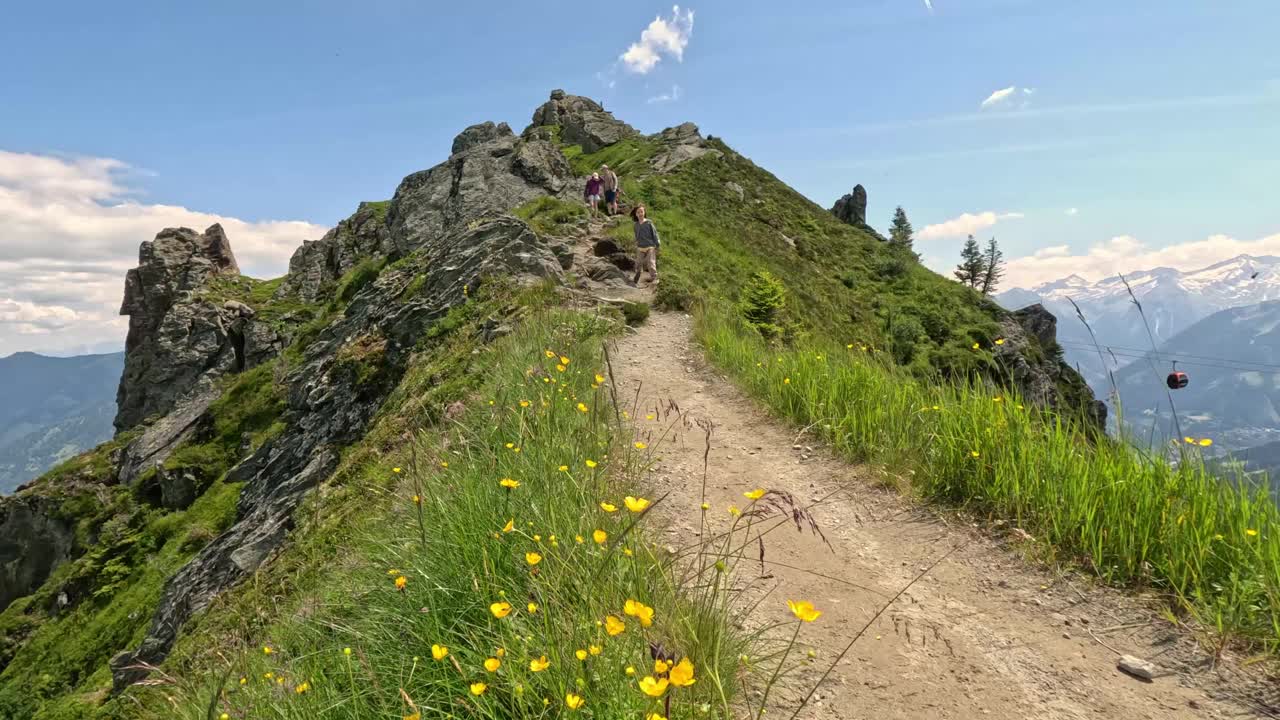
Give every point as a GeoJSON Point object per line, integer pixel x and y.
{"type": "Point", "coordinates": [1172, 301]}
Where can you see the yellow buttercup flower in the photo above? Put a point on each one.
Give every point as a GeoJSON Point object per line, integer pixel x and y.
{"type": "Point", "coordinates": [582, 407]}
{"type": "Point", "coordinates": [524, 403]}
{"type": "Point", "coordinates": [975, 346]}
{"type": "Point", "coordinates": [574, 701]}
{"type": "Point", "coordinates": [706, 506]}
{"type": "Point", "coordinates": [302, 687]}
{"type": "Point", "coordinates": [999, 341]}
{"type": "Point", "coordinates": [532, 558]}
{"type": "Point", "coordinates": [510, 445]}
{"type": "Point", "coordinates": [600, 536]}
{"type": "Point", "coordinates": [786, 381]}
{"type": "Point", "coordinates": [613, 625]}
{"type": "Point", "coordinates": [734, 511]}
{"type": "Point", "coordinates": [560, 368]}
{"type": "Point", "coordinates": [548, 353]}
{"type": "Point", "coordinates": [345, 651]}
{"type": "Point", "coordinates": [591, 463]}
{"type": "Point", "coordinates": [630, 670]}
{"type": "Point", "coordinates": [578, 539]}
{"type": "Point", "coordinates": [266, 650]}
{"type": "Point", "coordinates": [500, 652]}
{"type": "Point", "coordinates": [539, 664]}
{"type": "Point", "coordinates": [564, 468]}
{"type": "Point", "coordinates": [754, 494]}
{"type": "Point", "coordinates": [640, 446]}
{"type": "Point", "coordinates": [655, 716]}
{"type": "Point", "coordinates": [635, 504]}
{"type": "Point", "coordinates": [599, 378]}
{"type": "Point", "coordinates": [511, 525]}
{"type": "Point", "coordinates": [415, 716]}
{"type": "Point", "coordinates": [682, 674]}
{"type": "Point", "coordinates": [649, 416]}
{"type": "Point", "coordinates": [478, 688]}
{"type": "Point", "coordinates": [608, 507]}
{"type": "Point", "coordinates": [509, 483]}
{"type": "Point", "coordinates": [532, 607]}
{"type": "Point", "coordinates": [974, 453]}
{"type": "Point", "coordinates": [660, 666]}
{"type": "Point", "coordinates": [580, 654]}
{"type": "Point", "coordinates": [492, 664]}
{"type": "Point", "coordinates": [395, 470]}
{"type": "Point", "coordinates": [401, 582]}
{"type": "Point", "coordinates": [500, 609]}
{"type": "Point", "coordinates": [439, 652]}
{"type": "Point", "coordinates": [639, 611]}
{"type": "Point", "coordinates": [564, 360]}
{"type": "Point", "coordinates": [1251, 532]}
{"type": "Point", "coordinates": [804, 610]}
{"type": "Point", "coordinates": [1206, 442]}
{"type": "Point", "coordinates": [594, 649]}
{"type": "Point", "coordinates": [653, 688]}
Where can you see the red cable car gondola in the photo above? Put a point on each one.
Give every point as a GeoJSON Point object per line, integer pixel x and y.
{"type": "Point", "coordinates": [1176, 380]}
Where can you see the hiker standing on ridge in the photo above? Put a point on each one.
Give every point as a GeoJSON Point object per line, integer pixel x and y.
{"type": "Point", "coordinates": [593, 192]}
{"type": "Point", "coordinates": [647, 243]}
{"type": "Point", "coordinates": [610, 179]}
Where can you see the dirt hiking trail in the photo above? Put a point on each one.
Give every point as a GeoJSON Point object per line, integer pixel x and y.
{"type": "Point", "coordinates": [982, 635]}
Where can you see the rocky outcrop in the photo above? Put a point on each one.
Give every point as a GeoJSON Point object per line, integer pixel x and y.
{"type": "Point", "coordinates": [1028, 356]}
{"type": "Point", "coordinates": [479, 134]}
{"type": "Point", "coordinates": [34, 540]}
{"type": "Point", "coordinates": [163, 437]}
{"type": "Point", "coordinates": [680, 144]}
{"type": "Point", "coordinates": [318, 264]}
{"type": "Point", "coordinates": [582, 121]}
{"type": "Point", "coordinates": [344, 378]}
{"type": "Point", "coordinates": [179, 343]}
{"type": "Point", "coordinates": [852, 208]}
{"type": "Point", "coordinates": [482, 181]}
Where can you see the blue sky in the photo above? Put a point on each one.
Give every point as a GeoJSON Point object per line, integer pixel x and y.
{"type": "Point", "coordinates": [1150, 131]}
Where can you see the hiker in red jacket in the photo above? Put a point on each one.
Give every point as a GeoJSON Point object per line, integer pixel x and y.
{"type": "Point", "coordinates": [594, 186]}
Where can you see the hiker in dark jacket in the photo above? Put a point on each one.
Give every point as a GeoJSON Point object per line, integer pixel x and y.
{"type": "Point", "coordinates": [594, 185]}
{"type": "Point", "coordinates": [647, 243]}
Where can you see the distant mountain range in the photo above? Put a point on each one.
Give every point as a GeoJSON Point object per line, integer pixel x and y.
{"type": "Point", "coordinates": [1172, 301]}
{"type": "Point", "coordinates": [1222, 324]}
{"type": "Point", "coordinates": [53, 408]}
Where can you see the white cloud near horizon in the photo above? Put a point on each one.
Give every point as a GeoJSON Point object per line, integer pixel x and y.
{"type": "Point", "coordinates": [1003, 96]}
{"type": "Point", "coordinates": [70, 228]}
{"type": "Point", "coordinates": [1126, 254]}
{"type": "Point", "coordinates": [662, 37]}
{"type": "Point", "coordinates": [964, 225]}
{"type": "Point", "coordinates": [666, 97]}
{"type": "Point", "coordinates": [1071, 211]}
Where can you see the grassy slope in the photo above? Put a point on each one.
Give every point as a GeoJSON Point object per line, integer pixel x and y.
{"type": "Point", "coordinates": [457, 561]}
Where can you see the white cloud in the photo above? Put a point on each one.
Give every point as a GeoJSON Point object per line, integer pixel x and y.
{"type": "Point", "coordinates": [70, 228]}
{"type": "Point", "coordinates": [662, 37]}
{"type": "Point", "coordinates": [666, 97]}
{"type": "Point", "coordinates": [1125, 253]}
{"type": "Point", "coordinates": [964, 225]}
{"type": "Point", "coordinates": [1072, 211]}
{"type": "Point", "coordinates": [928, 4]}
{"type": "Point", "coordinates": [999, 96]}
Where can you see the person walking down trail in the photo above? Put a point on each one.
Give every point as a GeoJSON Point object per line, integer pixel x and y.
{"type": "Point", "coordinates": [610, 179]}
{"type": "Point", "coordinates": [592, 194]}
{"type": "Point", "coordinates": [647, 243]}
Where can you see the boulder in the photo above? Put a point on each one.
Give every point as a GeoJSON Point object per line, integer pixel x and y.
{"type": "Point", "coordinates": [1042, 382]}
{"type": "Point", "coordinates": [478, 135]}
{"type": "Point", "coordinates": [680, 144]}
{"type": "Point", "coordinates": [851, 209]}
{"type": "Point", "coordinates": [582, 121]}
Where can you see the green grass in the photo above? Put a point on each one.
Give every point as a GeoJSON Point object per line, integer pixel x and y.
{"type": "Point", "coordinates": [1211, 546]}
{"type": "Point", "coordinates": [552, 216]}
{"type": "Point", "coordinates": [526, 424]}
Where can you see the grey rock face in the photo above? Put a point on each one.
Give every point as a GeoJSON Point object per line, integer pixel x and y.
{"type": "Point", "coordinates": [161, 438]}
{"type": "Point", "coordinates": [1038, 382]}
{"type": "Point", "coordinates": [582, 121]}
{"type": "Point", "coordinates": [178, 344]}
{"type": "Point", "coordinates": [681, 144]}
{"type": "Point", "coordinates": [317, 264]}
{"type": "Point", "coordinates": [478, 135]}
{"type": "Point", "coordinates": [481, 182]}
{"type": "Point", "coordinates": [330, 405]}
{"type": "Point", "coordinates": [33, 541]}
{"type": "Point", "coordinates": [852, 208]}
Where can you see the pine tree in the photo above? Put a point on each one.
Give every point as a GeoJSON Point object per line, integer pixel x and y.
{"type": "Point", "coordinates": [900, 231]}
{"type": "Point", "coordinates": [973, 266]}
{"type": "Point", "coordinates": [993, 267]}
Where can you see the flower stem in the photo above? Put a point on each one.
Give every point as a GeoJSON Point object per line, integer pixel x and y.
{"type": "Point", "coordinates": [778, 670]}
